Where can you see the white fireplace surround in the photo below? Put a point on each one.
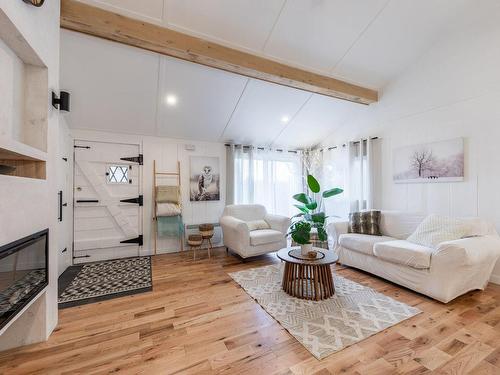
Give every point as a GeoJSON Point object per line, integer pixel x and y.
{"type": "Point", "coordinates": [29, 55]}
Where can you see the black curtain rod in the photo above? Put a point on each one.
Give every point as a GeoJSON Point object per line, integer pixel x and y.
{"type": "Point", "coordinates": [344, 144]}
{"type": "Point", "coordinates": [261, 148]}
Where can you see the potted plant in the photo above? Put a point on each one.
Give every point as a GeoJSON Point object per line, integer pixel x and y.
{"type": "Point", "coordinates": [311, 216]}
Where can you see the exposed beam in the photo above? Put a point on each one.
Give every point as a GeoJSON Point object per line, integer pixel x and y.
{"type": "Point", "coordinates": [101, 23]}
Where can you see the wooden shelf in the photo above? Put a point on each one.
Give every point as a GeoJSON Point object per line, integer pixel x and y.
{"type": "Point", "coordinates": [23, 165]}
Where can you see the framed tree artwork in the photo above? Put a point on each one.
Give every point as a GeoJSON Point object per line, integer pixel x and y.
{"type": "Point", "coordinates": [430, 162]}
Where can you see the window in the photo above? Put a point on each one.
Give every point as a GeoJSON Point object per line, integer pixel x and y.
{"type": "Point", "coordinates": [117, 174]}
{"type": "Point", "coordinates": [268, 178]}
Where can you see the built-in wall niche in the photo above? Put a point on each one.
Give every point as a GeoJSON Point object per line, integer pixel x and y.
{"type": "Point", "coordinates": [24, 104]}
{"type": "Point", "coordinates": [20, 165]}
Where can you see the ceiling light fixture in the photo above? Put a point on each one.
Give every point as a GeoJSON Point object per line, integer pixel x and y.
{"type": "Point", "coordinates": [171, 100]}
{"type": "Point", "coordinates": [285, 119]}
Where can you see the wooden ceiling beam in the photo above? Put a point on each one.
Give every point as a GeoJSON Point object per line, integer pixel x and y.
{"type": "Point", "coordinates": [101, 23]}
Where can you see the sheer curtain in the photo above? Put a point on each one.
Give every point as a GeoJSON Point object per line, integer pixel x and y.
{"type": "Point", "coordinates": [336, 174]}
{"type": "Point", "coordinates": [265, 177]}
{"type": "Point", "coordinates": [353, 168]}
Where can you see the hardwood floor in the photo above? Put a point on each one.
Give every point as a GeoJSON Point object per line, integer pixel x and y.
{"type": "Point", "coordinates": [198, 321]}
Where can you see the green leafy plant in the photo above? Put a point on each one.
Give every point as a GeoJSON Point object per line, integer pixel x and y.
{"type": "Point", "coordinates": [301, 232]}
{"type": "Point", "coordinates": [311, 213]}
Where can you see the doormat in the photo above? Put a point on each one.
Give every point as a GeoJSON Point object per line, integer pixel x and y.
{"type": "Point", "coordinates": [99, 281]}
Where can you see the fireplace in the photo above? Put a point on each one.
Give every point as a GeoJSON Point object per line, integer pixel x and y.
{"type": "Point", "coordinates": [23, 273]}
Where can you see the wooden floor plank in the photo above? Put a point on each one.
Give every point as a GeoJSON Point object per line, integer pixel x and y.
{"type": "Point", "coordinates": [197, 320]}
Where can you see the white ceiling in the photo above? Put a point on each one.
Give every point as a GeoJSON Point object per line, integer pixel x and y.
{"type": "Point", "coordinates": [120, 88]}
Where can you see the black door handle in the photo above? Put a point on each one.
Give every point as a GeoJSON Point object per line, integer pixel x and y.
{"type": "Point", "coordinates": [60, 193]}
{"type": "Point", "coordinates": [87, 201]}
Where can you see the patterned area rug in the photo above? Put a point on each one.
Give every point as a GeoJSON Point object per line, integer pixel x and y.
{"type": "Point", "coordinates": [354, 313]}
{"type": "Point", "coordinates": [108, 279]}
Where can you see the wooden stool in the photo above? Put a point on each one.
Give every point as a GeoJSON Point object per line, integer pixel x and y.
{"type": "Point", "coordinates": [207, 232]}
{"type": "Point", "coordinates": [195, 241]}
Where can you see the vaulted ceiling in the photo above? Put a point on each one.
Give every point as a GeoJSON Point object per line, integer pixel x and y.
{"type": "Point", "coordinates": [120, 88]}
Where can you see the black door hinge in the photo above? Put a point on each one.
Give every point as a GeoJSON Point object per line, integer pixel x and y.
{"type": "Point", "coordinates": [134, 159]}
{"type": "Point", "coordinates": [137, 240]}
{"type": "Point", "coordinates": [139, 200]}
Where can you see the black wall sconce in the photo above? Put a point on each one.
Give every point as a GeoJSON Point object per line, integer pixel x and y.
{"type": "Point", "coordinates": [36, 3]}
{"type": "Point", "coordinates": [61, 103]}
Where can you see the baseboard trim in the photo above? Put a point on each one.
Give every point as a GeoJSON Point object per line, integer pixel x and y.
{"type": "Point", "coordinates": [495, 279]}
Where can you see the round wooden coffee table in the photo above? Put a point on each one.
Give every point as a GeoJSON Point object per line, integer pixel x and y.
{"type": "Point", "coordinates": [308, 278]}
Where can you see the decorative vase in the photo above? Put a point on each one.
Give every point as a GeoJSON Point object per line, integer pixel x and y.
{"type": "Point", "coordinates": [306, 248]}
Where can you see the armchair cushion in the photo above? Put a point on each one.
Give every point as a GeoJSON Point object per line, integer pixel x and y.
{"type": "Point", "coordinates": [265, 236]}
{"type": "Point", "coordinates": [257, 224]}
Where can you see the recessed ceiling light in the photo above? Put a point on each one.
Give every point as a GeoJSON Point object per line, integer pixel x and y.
{"type": "Point", "coordinates": [171, 99]}
{"type": "Point", "coordinates": [285, 119]}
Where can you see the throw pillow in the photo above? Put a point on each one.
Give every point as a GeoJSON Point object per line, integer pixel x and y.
{"type": "Point", "coordinates": [436, 229]}
{"type": "Point", "coordinates": [354, 225]}
{"type": "Point", "coordinates": [257, 225]}
{"type": "Point", "coordinates": [366, 222]}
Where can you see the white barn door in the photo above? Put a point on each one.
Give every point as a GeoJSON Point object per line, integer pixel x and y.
{"type": "Point", "coordinates": [107, 201]}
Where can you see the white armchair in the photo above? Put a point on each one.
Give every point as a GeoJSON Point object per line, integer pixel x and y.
{"type": "Point", "coordinates": [268, 234]}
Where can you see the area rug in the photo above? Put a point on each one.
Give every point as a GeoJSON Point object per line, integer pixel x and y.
{"type": "Point", "coordinates": [98, 281]}
{"type": "Point", "coordinates": [354, 313]}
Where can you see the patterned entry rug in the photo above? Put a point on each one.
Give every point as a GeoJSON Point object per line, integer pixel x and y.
{"type": "Point", "coordinates": [99, 281]}
{"type": "Point", "coordinates": [354, 313]}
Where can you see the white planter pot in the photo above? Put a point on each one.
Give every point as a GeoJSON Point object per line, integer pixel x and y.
{"type": "Point", "coordinates": [304, 249]}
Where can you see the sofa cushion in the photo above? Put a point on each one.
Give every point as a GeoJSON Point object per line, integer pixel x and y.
{"type": "Point", "coordinates": [265, 236]}
{"type": "Point", "coordinates": [478, 227]}
{"type": "Point", "coordinates": [399, 224]}
{"type": "Point", "coordinates": [436, 229]}
{"type": "Point", "coordinates": [405, 253]}
{"type": "Point", "coordinates": [362, 243]}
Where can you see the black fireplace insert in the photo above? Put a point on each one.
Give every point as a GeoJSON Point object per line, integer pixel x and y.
{"type": "Point", "coordinates": [24, 272]}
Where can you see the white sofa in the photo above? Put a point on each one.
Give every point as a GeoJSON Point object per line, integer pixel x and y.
{"type": "Point", "coordinates": [246, 243]}
{"type": "Point", "coordinates": [443, 273]}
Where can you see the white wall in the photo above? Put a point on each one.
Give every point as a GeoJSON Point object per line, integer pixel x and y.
{"type": "Point", "coordinates": [28, 205]}
{"type": "Point", "coordinates": [166, 152]}
{"type": "Point", "coordinates": [452, 91]}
